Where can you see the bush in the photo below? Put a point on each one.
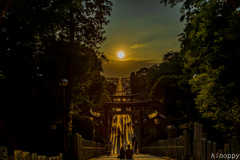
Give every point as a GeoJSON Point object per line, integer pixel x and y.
{"type": "Point", "coordinates": [99, 139]}
{"type": "Point", "coordinates": [84, 126]}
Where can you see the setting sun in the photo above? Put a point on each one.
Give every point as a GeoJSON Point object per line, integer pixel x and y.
{"type": "Point", "coordinates": [120, 54]}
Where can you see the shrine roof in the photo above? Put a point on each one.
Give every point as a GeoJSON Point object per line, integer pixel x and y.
{"type": "Point", "coordinates": [94, 114]}
{"type": "Point", "coordinates": [156, 114]}
{"type": "Point", "coordinates": [171, 127]}
{"type": "Point", "coordinates": [128, 103]}
{"type": "Point", "coordinates": [124, 96]}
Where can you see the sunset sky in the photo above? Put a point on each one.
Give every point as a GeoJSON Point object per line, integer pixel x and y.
{"type": "Point", "coordinates": [144, 30]}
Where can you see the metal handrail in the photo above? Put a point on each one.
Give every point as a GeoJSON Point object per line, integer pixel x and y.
{"type": "Point", "coordinates": [166, 147]}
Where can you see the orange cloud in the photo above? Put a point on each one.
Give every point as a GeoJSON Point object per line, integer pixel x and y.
{"type": "Point", "coordinates": [137, 45]}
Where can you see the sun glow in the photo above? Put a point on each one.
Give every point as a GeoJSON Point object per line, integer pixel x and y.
{"type": "Point", "coordinates": [120, 54]}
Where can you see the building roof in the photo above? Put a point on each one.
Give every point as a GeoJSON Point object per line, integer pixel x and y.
{"type": "Point", "coordinates": [156, 114]}
{"type": "Point", "coordinates": [124, 96]}
{"type": "Point", "coordinates": [128, 103]}
{"type": "Point", "coordinates": [171, 127]}
{"type": "Point", "coordinates": [94, 114]}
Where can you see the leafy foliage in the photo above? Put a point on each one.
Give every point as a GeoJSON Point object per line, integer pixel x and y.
{"type": "Point", "coordinates": [214, 37]}
{"type": "Point", "coordinates": [42, 43]}
{"type": "Point", "coordinates": [84, 126]}
{"type": "Point", "coordinates": [209, 48]}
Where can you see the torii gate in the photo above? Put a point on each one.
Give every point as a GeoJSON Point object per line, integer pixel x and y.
{"type": "Point", "coordinates": [125, 107]}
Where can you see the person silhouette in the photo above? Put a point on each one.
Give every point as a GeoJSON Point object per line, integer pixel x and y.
{"type": "Point", "coordinates": [122, 153]}
{"type": "Point", "coordinates": [107, 148]}
{"type": "Point", "coordinates": [129, 153]}
{"type": "Point", "coordinates": [128, 125]}
{"type": "Point", "coordinates": [133, 140]}
{"type": "Point", "coordinates": [118, 130]}
{"type": "Point", "coordinates": [136, 146]}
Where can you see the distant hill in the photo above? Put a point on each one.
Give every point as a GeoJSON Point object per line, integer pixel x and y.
{"type": "Point", "coordinates": [116, 78]}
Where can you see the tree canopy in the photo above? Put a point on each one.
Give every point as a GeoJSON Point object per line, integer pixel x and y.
{"type": "Point", "coordinates": [43, 42]}
{"type": "Point", "coordinates": [209, 49]}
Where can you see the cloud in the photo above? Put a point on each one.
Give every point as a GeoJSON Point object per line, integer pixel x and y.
{"type": "Point", "coordinates": [133, 60]}
{"type": "Point", "coordinates": [137, 45]}
{"type": "Point", "coordinates": [125, 68]}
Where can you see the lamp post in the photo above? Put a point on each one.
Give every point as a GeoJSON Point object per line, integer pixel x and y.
{"type": "Point", "coordinates": [194, 76]}
{"type": "Point", "coordinates": [157, 117]}
{"type": "Point", "coordinates": [122, 129]}
{"type": "Point", "coordinates": [64, 83]}
{"type": "Point", "coordinates": [157, 121]}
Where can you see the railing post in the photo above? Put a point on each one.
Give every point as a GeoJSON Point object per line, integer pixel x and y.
{"type": "Point", "coordinates": [26, 155]}
{"type": "Point", "coordinates": [77, 146]}
{"type": "Point", "coordinates": [99, 150]}
{"type": "Point", "coordinates": [220, 151]}
{"type": "Point", "coordinates": [161, 149]}
{"type": "Point", "coordinates": [175, 150]}
{"type": "Point", "coordinates": [214, 149]}
{"type": "Point", "coordinates": [88, 150]}
{"type": "Point", "coordinates": [235, 146]}
{"type": "Point", "coordinates": [209, 150]}
{"type": "Point", "coordinates": [94, 153]}
{"type": "Point", "coordinates": [34, 156]}
{"type": "Point", "coordinates": [80, 150]}
{"type": "Point", "coordinates": [18, 155]}
{"type": "Point", "coordinates": [60, 156]}
{"type": "Point", "coordinates": [179, 149]}
{"type": "Point", "coordinates": [3, 153]}
{"type": "Point", "coordinates": [203, 148]}
{"type": "Point", "coordinates": [92, 145]}
{"type": "Point", "coordinates": [186, 144]}
{"type": "Point", "coordinates": [227, 148]}
{"type": "Point", "coordinates": [166, 149]}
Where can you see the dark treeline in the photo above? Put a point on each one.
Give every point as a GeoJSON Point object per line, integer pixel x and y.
{"type": "Point", "coordinates": [210, 51]}
{"type": "Point", "coordinates": [42, 42]}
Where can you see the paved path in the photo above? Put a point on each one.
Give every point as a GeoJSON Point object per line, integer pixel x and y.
{"type": "Point", "coordinates": [121, 125]}
{"type": "Point", "coordinates": [135, 157]}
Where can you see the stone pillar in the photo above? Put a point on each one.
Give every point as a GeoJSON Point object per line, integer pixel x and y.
{"type": "Point", "coordinates": [123, 109]}
{"type": "Point", "coordinates": [227, 148]}
{"type": "Point", "coordinates": [106, 123]}
{"type": "Point", "coordinates": [34, 156]}
{"type": "Point", "coordinates": [203, 148]}
{"type": "Point", "coordinates": [26, 155]}
{"type": "Point", "coordinates": [3, 153]}
{"type": "Point", "coordinates": [133, 120]}
{"type": "Point", "coordinates": [77, 147]}
{"type": "Point", "coordinates": [60, 156]}
{"type": "Point", "coordinates": [18, 155]}
{"type": "Point", "coordinates": [140, 125]}
{"type": "Point", "coordinates": [186, 143]}
{"type": "Point", "coordinates": [209, 150]}
{"type": "Point", "coordinates": [214, 149]}
{"type": "Point", "coordinates": [235, 147]}
{"type": "Point", "coordinates": [220, 151]}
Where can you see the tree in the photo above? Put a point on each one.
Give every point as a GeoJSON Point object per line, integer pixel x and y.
{"type": "Point", "coordinates": [138, 83]}
{"type": "Point", "coordinates": [112, 88]}
{"type": "Point", "coordinates": [213, 44]}
{"type": "Point", "coordinates": [84, 126]}
{"type": "Point", "coordinates": [209, 47]}
{"type": "Point", "coordinates": [41, 43]}
{"type": "Point", "coordinates": [170, 91]}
